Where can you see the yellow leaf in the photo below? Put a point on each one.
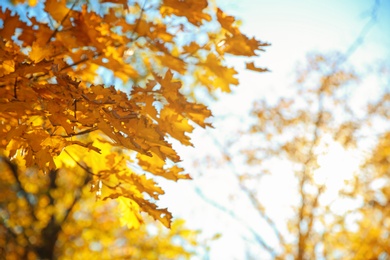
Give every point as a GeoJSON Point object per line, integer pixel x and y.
{"type": "Point", "coordinates": [155, 165]}
{"type": "Point", "coordinates": [176, 125]}
{"type": "Point", "coordinates": [130, 215]}
{"type": "Point", "coordinates": [215, 75]}
{"type": "Point", "coordinates": [7, 67]}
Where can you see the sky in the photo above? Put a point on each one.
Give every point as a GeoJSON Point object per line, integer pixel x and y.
{"type": "Point", "coordinates": [294, 28]}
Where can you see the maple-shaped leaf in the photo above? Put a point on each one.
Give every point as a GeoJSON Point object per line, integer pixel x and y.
{"type": "Point", "coordinates": [251, 66]}
{"type": "Point", "coordinates": [162, 215]}
{"type": "Point", "coordinates": [10, 23]}
{"type": "Point", "coordinates": [177, 125]}
{"type": "Point", "coordinates": [61, 107]}
{"type": "Point", "coordinates": [156, 165]}
{"type": "Point", "coordinates": [131, 207]}
{"type": "Point", "coordinates": [39, 53]}
{"type": "Point", "coordinates": [7, 67]}
{"type": "Point", "coordinates": [214, 75]}
{"type": "Point", "coordinates": [227, 22]}
{"type": "Point", "coordinates": [191, 9]}
{"type": "Point", "coordinates": [191, 48]}
{"type": "Point", "coordinates": [174, 63]}
{"type": "Point", "coordinates": [241, 45]}
{"type": "Point", "coordinates": [130, 215]}
{"type": "Point", "coordinates": [174, 116]}
{"type": "Point", "coordinates": [146, 185]}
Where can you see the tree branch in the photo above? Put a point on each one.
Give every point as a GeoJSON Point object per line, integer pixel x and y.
{"type": "Point", "coordinates": [256, 203]}
{"type": "Point", "coordinates": [258, 238]}
{"type": "Point", "coordinates": [15, 86]}
{"type": "Point", "coordinates": [14, 171]}
{"type": "Point", "coordinates": [80, 133]}
{"type": "Point", "coordinates": [138, 20]}
{"type": "Point", "coordinates": [76, 198]}
{"type": "Point", "coordinates": [81, 61]}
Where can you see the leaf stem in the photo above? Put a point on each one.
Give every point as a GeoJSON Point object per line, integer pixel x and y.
{"type": "Point", "coordinates": [79, 164]}
{"type": "Point", "coordinates": [15, 87]}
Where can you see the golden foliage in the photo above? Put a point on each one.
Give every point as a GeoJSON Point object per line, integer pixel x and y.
{"type": "Point", "coordinates": [54, 216]}
{"type": "Point", "coordinates": [58, 110]}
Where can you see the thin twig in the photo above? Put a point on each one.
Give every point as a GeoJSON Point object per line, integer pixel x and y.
{"type": "Point", "coordinates": [139, 19]}
{"type": "Point", "coordinates": [62, 21]}
{"type": "Point", "coordinates": [80, 165]}
{"type": "Point", "coordinates": [258, 238]}
{"type": "Point", "coordinates": [254, 202]}
{"type": "Point", "coordinates": [80, 133]}
{"type": "Point", "coordinates": [81, 61]}
{"type": "Point", "coordinates": [15, 86]}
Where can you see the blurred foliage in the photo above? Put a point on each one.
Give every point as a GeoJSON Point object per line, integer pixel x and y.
{"type": "Point", "coordinates": [338, 207]}
{"type": "Point", "coordinates": [54, 216]}
{"type": "Point", "coordinates": [94, 93]}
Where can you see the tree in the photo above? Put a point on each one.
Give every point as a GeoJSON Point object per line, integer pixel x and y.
{"type": "Point", "coordinates": [102, 88]}
{"type": "Point", "coordinates": [54, 216]}
{"type": "Point", "coordinates": [309, 205]}
{"type": "Point", "coordinates": [314, 210]}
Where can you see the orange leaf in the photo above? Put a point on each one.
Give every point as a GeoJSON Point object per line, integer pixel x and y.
{"type": "Point", "coordinates": [39, 53]}
{"type": "Point", "coordinates": [191, 9]}
{"type": "Point", "coordinates": [226, 22]}
{"type": "Point", "coordinates": [251, 66]}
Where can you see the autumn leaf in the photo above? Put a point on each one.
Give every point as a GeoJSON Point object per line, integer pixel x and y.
{"type": "Point", "coordinates": [191, 9]}
{"type": "Point", "coordinates": [103, 90]}
{"type": "Point", "coordinates": [39, 53]}
{"type": "Point", "coordinates": [58, 11]}
{"type": "Point", "coordinates": [129, 213]}
{"type": "Point", "coordinates": [227, 22]}
{"type": "Point", "coordinates": [215, 75]}
{"type": "Point", "coordinates": [10, 23]}
{"type": "Point", "coordinates": [251, 66]}
{"type": "Point", "coordinates": [242, 45]}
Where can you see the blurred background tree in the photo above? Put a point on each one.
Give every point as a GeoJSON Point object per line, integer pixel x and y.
{"type": "Point", "coordinates": [54, 216]}
{"type": "Point", "coordinates": [310, 171]}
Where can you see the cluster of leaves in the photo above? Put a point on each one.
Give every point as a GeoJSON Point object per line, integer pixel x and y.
{"type": "Point", "coordinates": [54, 216]}
{"type": "Point", "coordinates": [56, 113]}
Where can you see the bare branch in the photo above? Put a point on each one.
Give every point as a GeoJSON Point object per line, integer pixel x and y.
{"type": "Point", "coordinates": [255, 234]}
